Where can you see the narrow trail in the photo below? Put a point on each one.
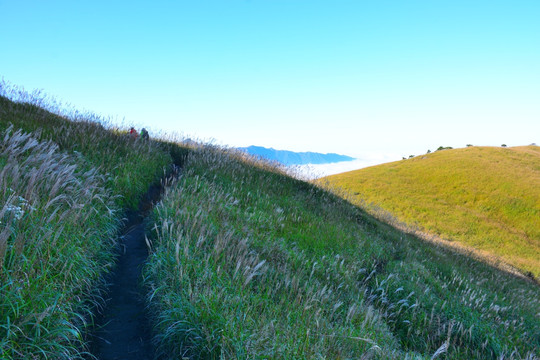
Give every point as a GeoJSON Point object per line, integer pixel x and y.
{"type": "Point", "coordinates": [123, 329]}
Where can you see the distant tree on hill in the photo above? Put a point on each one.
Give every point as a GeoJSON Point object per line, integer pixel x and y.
{"type": "Point", "coordinates": [428, 151]}
{"type": "Point", "coordinates": [444, 148]}
{"type": "Point", "coordinates": [411, 156]}
{"type": "Point", "coordinates": [469, 145]}
{"type": "Point", "coordinates": [503, 145]}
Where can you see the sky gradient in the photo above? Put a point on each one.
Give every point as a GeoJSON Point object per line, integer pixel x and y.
{"type": "Point", "coordinates": [370, 79]}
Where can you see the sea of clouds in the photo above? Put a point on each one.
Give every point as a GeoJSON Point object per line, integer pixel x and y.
{"type": "Point", "coordinates": [315, 171]}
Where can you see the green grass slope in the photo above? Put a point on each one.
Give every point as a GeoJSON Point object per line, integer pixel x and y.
{"type": "Point", "coordinates": [64, 184]}
{"type": "Point", "coordinates": [246, 262]}
{"type": "Point", "coordinates": [249, 263]}
{"type": "Point", "coordinates": [485, 198]}
{"type": "Point", "coordinates": [130, 166]}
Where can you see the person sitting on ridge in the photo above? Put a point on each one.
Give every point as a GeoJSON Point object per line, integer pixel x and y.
{"type": "Point", "coordinates": [144, 134]}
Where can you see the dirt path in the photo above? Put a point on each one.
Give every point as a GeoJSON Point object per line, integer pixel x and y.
{"type": "Point", "coordinates": [123, 329]}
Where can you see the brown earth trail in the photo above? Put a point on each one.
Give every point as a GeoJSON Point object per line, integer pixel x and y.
{"type": "Point", "coordinates": [122, 330]}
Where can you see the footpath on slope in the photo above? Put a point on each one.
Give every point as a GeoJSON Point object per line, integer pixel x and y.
{"type": "Point", "coordinates": [122, 330]}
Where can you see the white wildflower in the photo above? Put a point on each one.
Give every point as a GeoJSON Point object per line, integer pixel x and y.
{"type": "Point", "coordinates": [23, 203]}
{"type": "Point", "coordinates": [17, 211]}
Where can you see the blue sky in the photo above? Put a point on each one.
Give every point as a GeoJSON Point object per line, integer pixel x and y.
{"type": "Point", "coordinates": [372, 79]}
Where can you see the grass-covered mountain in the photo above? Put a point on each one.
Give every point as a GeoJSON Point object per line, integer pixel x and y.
{"type": "Point", "coordinates": [485, 198]}
{"type": "Point", "coordinates": [287, 157]}
{"type": "Point", "coordinates": [246, 262]}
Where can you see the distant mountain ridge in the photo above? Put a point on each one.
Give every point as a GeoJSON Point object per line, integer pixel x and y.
{"type": "Point", "coordinates": [287, 157]}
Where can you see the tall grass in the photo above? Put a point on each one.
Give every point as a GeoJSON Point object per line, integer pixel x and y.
{"type": "Point", "coordinates": [57, 227]}
{"type": "Point", "coordinates": [250, 263]}
{"type": "Point", "coordinates": [66, 179]}
{"type": "Point", "coordinates": [130, 166]}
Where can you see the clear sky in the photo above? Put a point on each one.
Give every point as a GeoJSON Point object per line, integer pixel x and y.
{"type": "Point", "coordinates": [373, 79]}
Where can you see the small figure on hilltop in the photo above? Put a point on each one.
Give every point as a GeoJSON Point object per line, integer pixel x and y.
{"type": "Point", "coordinates": [133, 133]}
{"type": "Point", "coordinates": [144, 134]}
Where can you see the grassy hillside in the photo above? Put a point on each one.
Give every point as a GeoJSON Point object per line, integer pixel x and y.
{"type": "Point", "coordinates": [246, 262]}
{"type": "Point", "coordinates": [130, 166]}
{"type": "Point", "coordinates": [249, 263]}
{"type": "Point", "coordinates": [486, 198]}
{"type": "Point", "coordinates": [64, 184]}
